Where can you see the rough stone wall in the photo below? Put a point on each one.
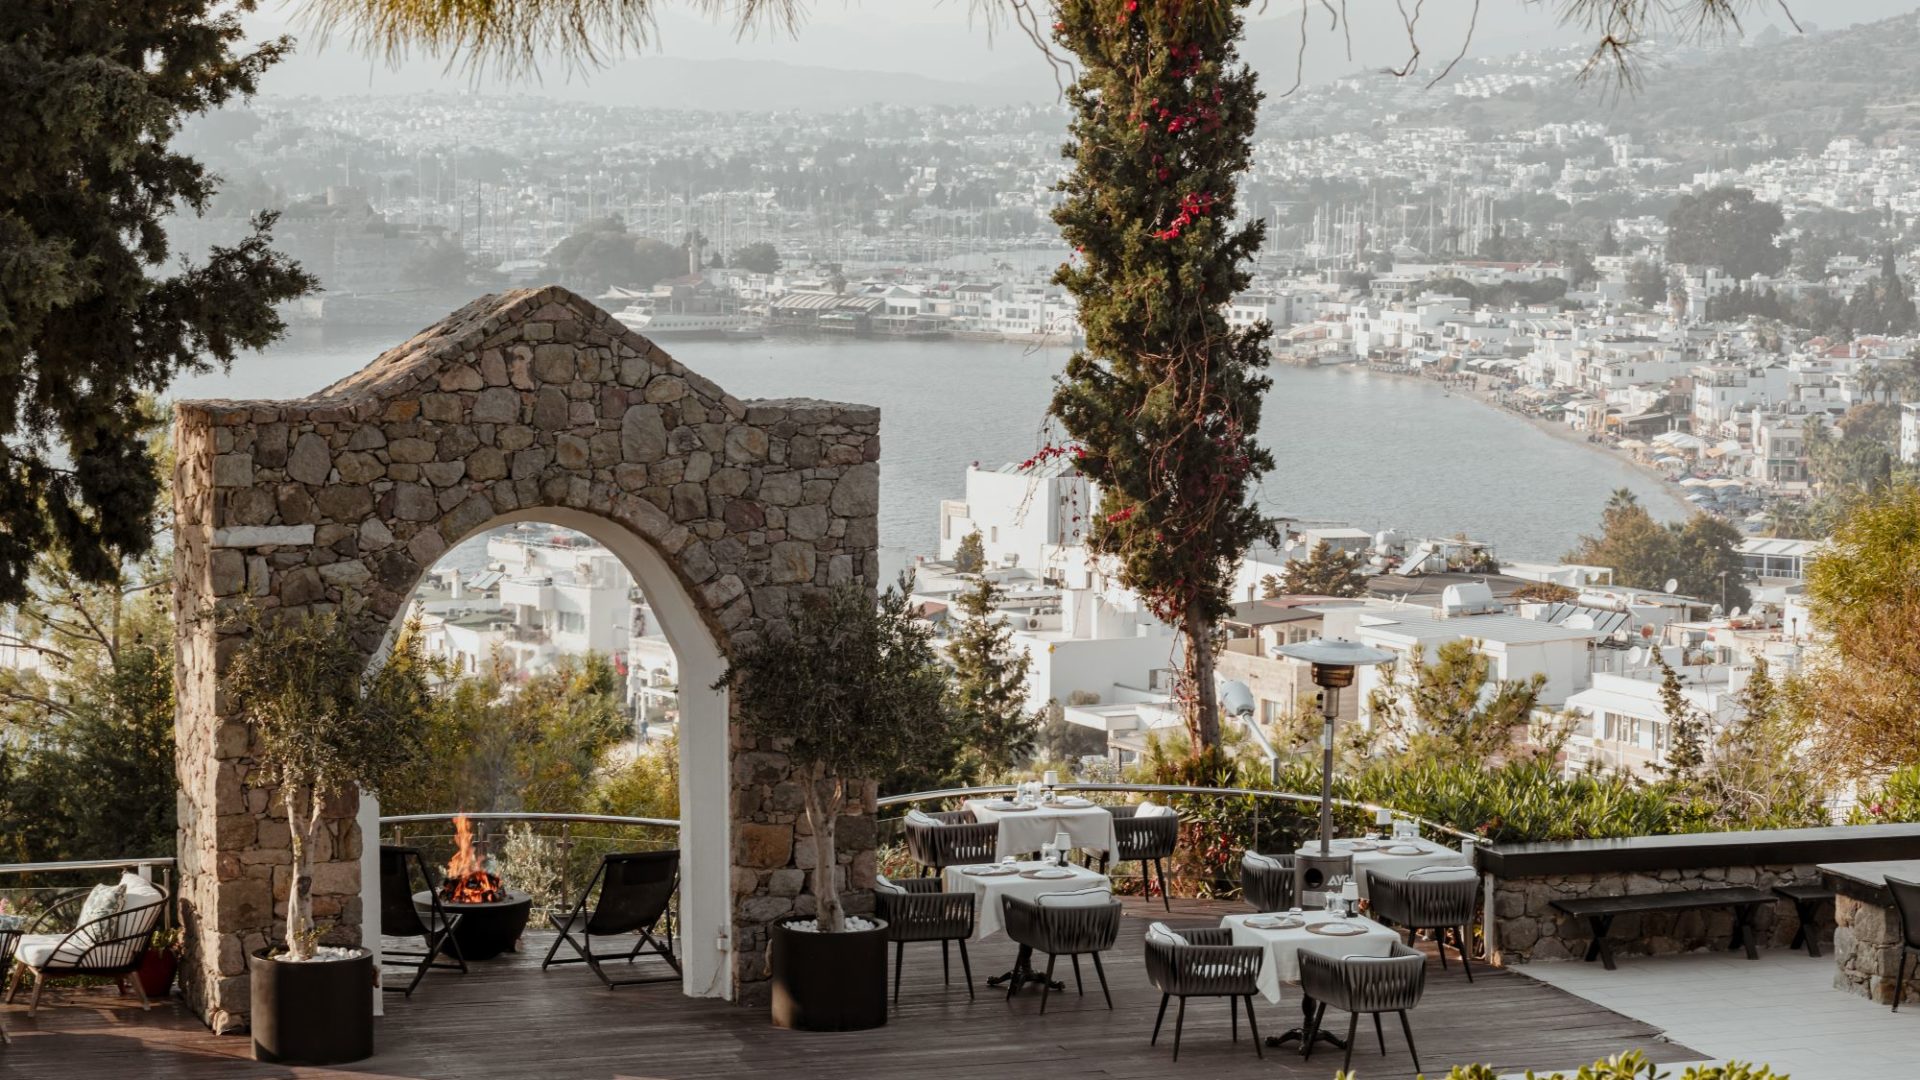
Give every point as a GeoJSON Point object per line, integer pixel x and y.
{"type": "Point", "coordinates": [1528, 928]}
{"type": "Point", "coordinates": [533, 399]}
{"type": "Point", "coordinates": [1866, 950]}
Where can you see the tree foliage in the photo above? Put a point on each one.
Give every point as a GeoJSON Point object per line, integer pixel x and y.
{"type": "Point", "coordinates": [602, 254]}
{"type": "Point", "coordinates": [1163, 402]}
{"type": "Point", "coordinates": [86, 734]}
{"type": "Point", "coordinates": [855, 691]}
{"type": "Point", "coordinates": [760, 257]}
{"type": "Point", "coordinates": [1727, 228]}
{"type": "Point", "coordinates": [98, 311]}
{"type": "Point", "coordinates": [971, 555]}
{"type": "Point", "coordinates": [498, 742]}
{"type": "Point", "coordinates": [1863, 688]}
{"type": "Point", "coordinates": [1686, 727]}
{"type": "Point", "coordinates": [1452, 708]}
{"type": "Point", "coordinates": [1324, 572]}
{"type": "Point", "coordinates": [994, 731]}
{"type": "Point", "coordinates": [1644, 553]}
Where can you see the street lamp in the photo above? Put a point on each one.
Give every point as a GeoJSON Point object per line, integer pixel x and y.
{"type": "Point", "coordinates": [1334, 663]}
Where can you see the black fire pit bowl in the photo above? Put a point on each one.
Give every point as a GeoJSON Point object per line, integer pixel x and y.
{"type": "Point", "coordinates": [485, 930]}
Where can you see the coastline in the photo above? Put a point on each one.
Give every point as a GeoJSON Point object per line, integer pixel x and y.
{"type": "Point", "coordinates": [1479, 393]}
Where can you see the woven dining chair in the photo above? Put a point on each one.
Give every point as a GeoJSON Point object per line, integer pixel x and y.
{"type": "Point", "coordinates": [401, 917]}
{"type": "Point", "coordinates": [1203, 963]}
{"type": "Point", "coordinates": [1906, 902]}
{"type": "Point", "coordinates": [1364, 984]}
{"type": "Point", "coordinates": [1063, 924]}
{"type": "Point", "coordinates": [1266, 881]}
{"type": "Point", "coordinates": [952, 838]}
{"type": "Point", "coordinates": [1440, 900]}
{"type": "Point", "coordinates": [1147, 840]}
{"type": "Point", "coordinates": [917, 910]}
{"type": "Point", "coordinates": [111, 946]}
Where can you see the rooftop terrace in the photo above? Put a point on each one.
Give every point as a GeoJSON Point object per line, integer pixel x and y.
{"type": "Point", "coordinates": [507, 1019]}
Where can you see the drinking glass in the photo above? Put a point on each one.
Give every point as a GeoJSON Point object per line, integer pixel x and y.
{"type": "Point", "coordinates": [1047, 852]}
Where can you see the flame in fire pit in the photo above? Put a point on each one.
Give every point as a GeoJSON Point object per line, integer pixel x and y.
{"type": "Point", "coordinates": [468, 881]}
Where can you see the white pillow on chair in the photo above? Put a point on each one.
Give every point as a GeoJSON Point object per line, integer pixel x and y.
{"type": "Point", "coordinates": [881, 884]}
{"type": "Point", "coordinates": [1161, 933]}
{"type": "Point", "coordinates": [1267, 862]}
{"type": "Point", "coordinates": [916, 817]}
{"type": "Point", "coordinates": [1096, 896]}
{"type": "Point", "coordinates": [1149, 808]}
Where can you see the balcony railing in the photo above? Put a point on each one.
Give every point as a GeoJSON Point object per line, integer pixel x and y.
{"type": "Point", "coordinates": [70, 870]}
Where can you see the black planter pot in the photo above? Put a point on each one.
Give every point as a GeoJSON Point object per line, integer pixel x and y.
{"type": "Point", "coordinates": [829, 982]}
{"type": "Point", "coordinates": [315, 1013]}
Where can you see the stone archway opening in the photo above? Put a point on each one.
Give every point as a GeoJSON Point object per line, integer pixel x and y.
{"type": "Point", "coordinates": [705, 923]}
{"type": "Point", "coordinates": [530, 406]}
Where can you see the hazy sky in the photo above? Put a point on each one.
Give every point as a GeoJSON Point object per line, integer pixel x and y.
{"type": "Point", "coordinates": [942, 39]}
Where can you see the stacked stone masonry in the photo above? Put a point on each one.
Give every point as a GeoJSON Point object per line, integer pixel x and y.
{"type": "Point", "coordinates": [1866, 950]}
{"type": "Point", "coordinates": [1529, 928]}
{"type": "Point", "coordinates": [532, 399]}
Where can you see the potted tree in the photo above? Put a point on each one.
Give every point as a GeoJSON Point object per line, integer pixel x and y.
{"type": "Point", "coordinates": [323, 726]}
{"type": "Point", "coordinates": [854, 691]}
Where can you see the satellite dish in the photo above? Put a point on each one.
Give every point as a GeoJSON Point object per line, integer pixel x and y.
{"type": "Point", "coordinates": [1672, 585]}
{"type": "Point", "coordinates": [1734, 614]}
{"type": "Point", "coordinates": [1636, 656]}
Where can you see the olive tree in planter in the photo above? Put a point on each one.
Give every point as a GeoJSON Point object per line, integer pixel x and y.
{"type": "Point", "coordinates": [855, 691]}
{"type": "Point", "coordinates": [323, 726]}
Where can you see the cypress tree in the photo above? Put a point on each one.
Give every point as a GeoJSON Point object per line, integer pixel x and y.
{"type": "Point", "coordinates": [93, 315]}
{"type": "Point", "coordinates": [995, 731]}
{"type": "Point", "coordinates": [1163, 401]}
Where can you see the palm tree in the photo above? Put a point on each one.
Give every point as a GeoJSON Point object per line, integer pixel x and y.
{"type": "Point", "coordinates": [513, 35]}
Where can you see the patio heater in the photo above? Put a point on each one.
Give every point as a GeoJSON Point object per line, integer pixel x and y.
{"type": "Point", "coordinates": [1334, 663]}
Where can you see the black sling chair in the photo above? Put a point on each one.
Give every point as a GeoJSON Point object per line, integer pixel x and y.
{"type": "Point", "coordinates": [635, 889]}
{"type": "Point", "coordinates": [401, 917]}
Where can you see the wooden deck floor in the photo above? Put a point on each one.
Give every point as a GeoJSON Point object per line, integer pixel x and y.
{"type": "Point", "coordinates": [508, 1020]}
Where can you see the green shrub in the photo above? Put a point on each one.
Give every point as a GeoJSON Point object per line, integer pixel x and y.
{"type": "Point", "coordinates": [1897, 799]}
{"type": "Point", "coordinates": [1632, 1065]}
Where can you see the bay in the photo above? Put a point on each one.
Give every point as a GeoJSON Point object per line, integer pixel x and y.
{"type": "Point", "coordinates": [1371, 450]}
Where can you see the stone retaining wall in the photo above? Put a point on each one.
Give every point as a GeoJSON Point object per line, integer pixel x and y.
{"type": "Point", "coordinates": [1866, 950]}
{"type": "Point", "coordinates": [1529, 928]}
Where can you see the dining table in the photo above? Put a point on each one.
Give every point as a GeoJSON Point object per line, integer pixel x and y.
{"type": "Point", "coordinates": [1391, 858]}
{"type": "Point", "coordinates": [1324, 932]}
{"type": "Point", "coordinates": [1022, 828]}
{"type": "Point", "coordinates": [991, 882]}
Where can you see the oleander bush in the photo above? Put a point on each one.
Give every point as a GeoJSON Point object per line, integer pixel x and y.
{"type": "Point", "coordinates": [1896, 799]}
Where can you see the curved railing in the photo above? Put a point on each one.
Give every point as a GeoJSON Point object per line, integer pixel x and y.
{"type": "Point", "coordinates": [1180, 789]}
{"type": "Point", "coordinates": [512, 815]}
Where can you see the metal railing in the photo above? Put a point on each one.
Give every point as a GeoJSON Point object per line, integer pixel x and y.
{"type": "Point", "coordinates": [565, 842]}
{"type": "Point", "coordinates": [1179, 789]}
{"type": "Point", "coordinates": [164, 864]}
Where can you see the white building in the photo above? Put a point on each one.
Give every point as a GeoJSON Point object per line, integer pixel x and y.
{"type": "Point", "coordinates": [1910, 432]}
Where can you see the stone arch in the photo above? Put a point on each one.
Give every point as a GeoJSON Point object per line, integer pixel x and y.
{"type": "Point", "coordinates": [531, 405]}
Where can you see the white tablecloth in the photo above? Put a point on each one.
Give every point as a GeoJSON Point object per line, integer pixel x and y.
{"type": "Point", "coordinates": [987, 891]}
{"type": "Point", "coordinates": [1023, 831]}
{"type": "Point", "coordinates": [1386, 865]}
{"type": "Point", "coordinates": [1282, 963]}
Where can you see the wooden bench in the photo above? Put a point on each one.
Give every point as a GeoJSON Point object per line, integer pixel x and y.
{"type": "Point", "coordinates": [1600, 911]}
{"type": "Point", "coordinates": [1806, 904]}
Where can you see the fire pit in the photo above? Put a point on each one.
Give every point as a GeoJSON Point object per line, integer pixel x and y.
{"type": "Point", "coordinates": [492, 916]}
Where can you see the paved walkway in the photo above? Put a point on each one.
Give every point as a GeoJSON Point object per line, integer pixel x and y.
{"type": "Point", "coordinates": [1780, 1010]}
